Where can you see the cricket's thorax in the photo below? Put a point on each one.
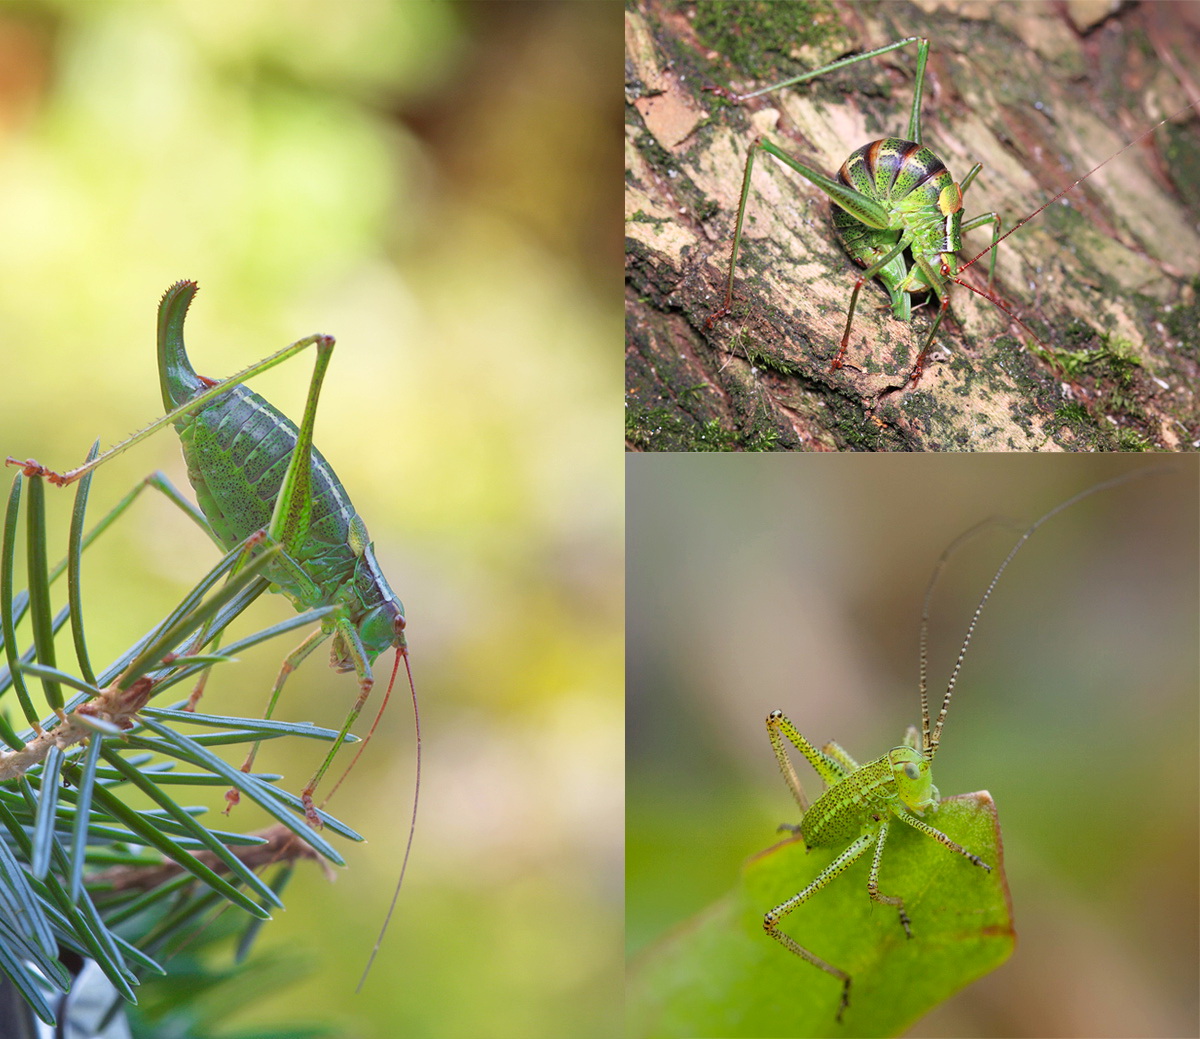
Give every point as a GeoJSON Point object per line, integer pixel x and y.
{"type": "Point", "coordinates": [900, 780]}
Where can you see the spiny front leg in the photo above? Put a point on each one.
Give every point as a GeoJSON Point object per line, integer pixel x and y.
{"type": "Point", "coordinates": [873, 880]}
{"type": "Point", "coordinates": [937, 835]}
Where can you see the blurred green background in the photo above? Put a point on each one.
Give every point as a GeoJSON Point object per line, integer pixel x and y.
{"type": "Point", "coordinates": [796, 583]}
{"type": "Point", "coordinates": [425, 181]}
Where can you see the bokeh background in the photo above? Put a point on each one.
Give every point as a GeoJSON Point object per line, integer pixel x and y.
{"type": "Point", "coordinates": [762, 582]}
{"type": "Point", "coordinates": [429, 183]}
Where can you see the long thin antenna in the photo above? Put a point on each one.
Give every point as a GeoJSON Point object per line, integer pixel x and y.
{"type": "Point", "coordinates": [953, 547]}
{"type": "Point", "coordinates": [412, 825]}
{"type": "Point", "coordinates": [1076, 183]}
{"type": "Point", "coordinates": [930, 739]}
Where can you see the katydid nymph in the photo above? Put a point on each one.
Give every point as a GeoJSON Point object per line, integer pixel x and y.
{"type": "Point", "coordinates": [898, 212]}
{"type": "Point", "coordinates": [855, 811]}
{"type": "Point", "coordinates": [255, 472]}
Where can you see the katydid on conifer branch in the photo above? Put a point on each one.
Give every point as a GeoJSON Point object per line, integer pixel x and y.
{"type": "Point", "coordinates": [254, 470]}
{"type": "Point", "coordinates": [894, 200]}
{"type": "Point", "coordinates": [859, 801]}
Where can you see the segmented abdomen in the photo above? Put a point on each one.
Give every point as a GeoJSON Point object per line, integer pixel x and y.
{"type": "Point", "coordinates": [914, 183]}
{"type": "Point", "coordinates": [237, 451]}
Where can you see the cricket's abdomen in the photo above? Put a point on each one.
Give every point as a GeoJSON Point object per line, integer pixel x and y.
{"type": "Point", "coordinates": [840, 813]}
{"type": "Point", "coordinates": [237, 450]}
{"type": "Point", "coordinates": [915, 186]}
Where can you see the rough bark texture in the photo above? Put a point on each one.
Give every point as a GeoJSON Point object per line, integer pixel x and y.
{"type": "Point", "coordinates": [1107, 277]}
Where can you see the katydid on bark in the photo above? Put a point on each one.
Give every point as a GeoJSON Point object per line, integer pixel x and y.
{"type": "Point", "coordinates": [859, 801]}
{"type": "Point", "coordinates": [894, 200]}
{"type": "Point", "coordinates": [255, 471]}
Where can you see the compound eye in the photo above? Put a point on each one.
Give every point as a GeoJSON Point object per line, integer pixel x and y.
{"type": "Point", "coordinates": [911, 770]}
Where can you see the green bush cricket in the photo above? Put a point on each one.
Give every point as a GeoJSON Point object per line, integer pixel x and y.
{"type": "Point", "coordinates": [255, 472]}
{"type": "Point", "coordinates": [859, 802]}
{"type": "Point", "coordinates": [899, 213]}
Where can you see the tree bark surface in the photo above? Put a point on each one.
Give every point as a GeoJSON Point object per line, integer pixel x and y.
{"type": "Point", "coordinates": [1106, 277]}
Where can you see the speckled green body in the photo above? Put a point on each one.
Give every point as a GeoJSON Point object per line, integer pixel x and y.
{"type": "Point", "coordinates": [860, 795]}
{"type": "Point", "coordinates": [858, 806]}
{"type": "Point", "coordinates": [839, 813]}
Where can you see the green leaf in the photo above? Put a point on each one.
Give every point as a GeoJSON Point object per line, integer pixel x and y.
{"type": "Point", "coordinates": [54, 674]}
{"type": "Point", "coordinates": [12, 607]}
{"type": "Point", "coordinates": [140, 825]}
{"type": "Point", "coordinates": [207, 839]}
{"type": "Point", "coordinates": [44, 837]}
{"type": "Point", "coordinates": [39, 586]}
{"type": "Point", "coordinates": [74, 565]}
{"type": "Point", "coordinates": [721, 975]}
{"type": "Point", "coordinates": [246, 783]}
{"type": "Point", "coordinates": [86, 779]}
{"type": "Point", "coordinates": [262, 728]}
